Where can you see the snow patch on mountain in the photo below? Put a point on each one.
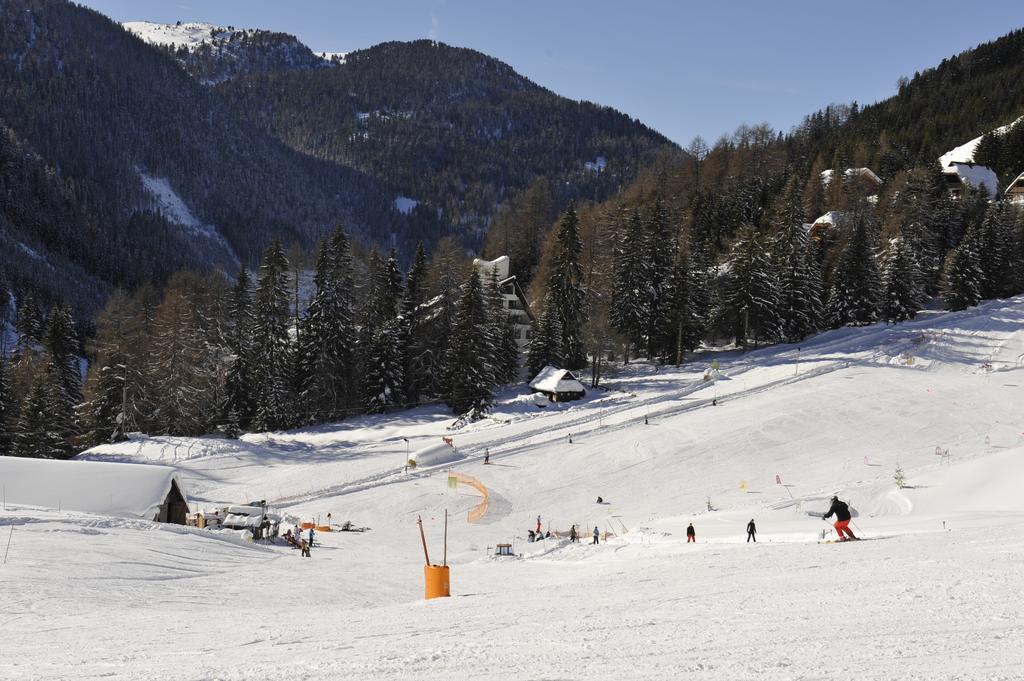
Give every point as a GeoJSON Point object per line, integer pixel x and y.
{"type": "Point", "coordinates": [405, 205]}
{"type": "Point", "coordinates": [189, 35]}
{"type": "Point", "coordinates": [174, 209]}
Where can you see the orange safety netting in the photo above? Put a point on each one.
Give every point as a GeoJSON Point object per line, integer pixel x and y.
{"type": "Point", "coordinates": [480, 510]}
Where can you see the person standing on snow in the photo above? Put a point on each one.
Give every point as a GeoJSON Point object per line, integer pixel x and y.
{"type": "Point", "coordinates": [597, 535]}
{"type": "Point", "coordinates": [538, 524]}
{"type": "Point", "coordinates": [311, 537]}
{"type": "Point", "coordinates": [751, 530]}
{"type": "Point", "coordinates": [572, 535]}
{"type": "Point", "coordinates": [842, 524]}
{"type": "Point", "coordinates": [691, 534]}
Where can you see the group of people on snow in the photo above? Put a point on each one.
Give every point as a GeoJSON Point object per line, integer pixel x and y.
{"type": "Point", "coordinates": [298, 541]}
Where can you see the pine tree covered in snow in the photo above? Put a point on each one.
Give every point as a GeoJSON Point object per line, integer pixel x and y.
{"type": "Point", "coordinates": [415, 332]}
{"type": "Point", "coordinates": [902, 291]}
{"type": "Point", "coordinates": [328, 343]}
{"type": "Point", "coordinates": [271, 342]}
{"type": "Point", "coordinates": [185, 368]}
{"type": "Point", "coordinates": [964, 277]}
{"type": "Point", "coordinates": [545, 341]}
{"type": "Point", "coordinates": [856, 287]}
{"type": "Point", "coordinates": [116, 387]}
{"type": "Point", "coordinates": [470, 377]}
{"type": "Point", "coordinates": [683, 326]}
{"type": "Point", "coordinates": [659, 248]}
{"type": "Point", "coordinates": [61, 342]}
{"type": "Point", "coordinates": [240, 406]}
{"type": "Point", "coordinates": [797, 272]}
{"type": "Point", "coordinates": [382, 356]}
{"type": "Point", "coordinates": [6, 408]}
{"type": "Point", "coordinates": [502, 351]}
{"type": "Point", "coordinates": [751, 295]}
{"type": "Point", "coordinates": [628, 304]}
{"type": "Point", "coordinates": [46, 426]}
{"type": "Point", "coordinates": [995, 250]}
{"type": "Point", "coordinates": [565, 290]}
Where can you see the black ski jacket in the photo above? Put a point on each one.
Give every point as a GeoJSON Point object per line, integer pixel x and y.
{"type": "Point", "coordinates": [841, 510]}
{"type": "Point", "coordinates": [751, 529]}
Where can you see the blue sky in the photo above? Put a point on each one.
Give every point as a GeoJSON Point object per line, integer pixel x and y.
{"type": "Point", "coordinates": [684, 68]}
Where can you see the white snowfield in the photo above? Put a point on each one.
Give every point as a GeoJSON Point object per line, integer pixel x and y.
{"type": "Point", "coordinates": [935, 592]}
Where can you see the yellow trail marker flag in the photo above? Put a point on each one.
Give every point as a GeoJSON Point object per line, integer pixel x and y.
{"type": "Point", "coordinates": [743, 485]}
{"type": "Point", "coordinates": [453, 482]}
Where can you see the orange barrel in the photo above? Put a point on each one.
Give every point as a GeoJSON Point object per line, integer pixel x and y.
{"type": "Point", "coordinates": [306, 526]}
{"type": "Point", "coordinates": [436, 577]}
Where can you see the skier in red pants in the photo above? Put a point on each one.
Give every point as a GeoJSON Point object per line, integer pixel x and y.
{"type": "Point", "coordinates": [842, 524]}
{"type": "Point", "coordinates": [691, 534]}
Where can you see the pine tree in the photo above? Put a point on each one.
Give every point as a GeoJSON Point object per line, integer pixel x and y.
{"type": "Point", "coordinates": [902, 291]}
{"type": "Point", "coordinates": [381, 350]}
{"type": "Point", "coordinates": [6, 408]}
{"type": "Point", "coordinates": [415, 334]}
{"type": "Point", "coordinates": [996, 252]}
{"type": "Point", "coordinates": [565, 288]}
{"type": "Point", "coordinates": [184, 365]}
{"type": "Point", "coordinates": [240, 406]}
{"type": "Point", "coordinates": [856, 288]}
{"type": "Point", "coordinates": [328, 343]}
{"type": "Point", "coordinates": [752, 292]}
{"type": "Point", "coordinates": [45, 428]}
{"type": "Point", "coordinates": [470, 380]}
{"type": "Point", "coordinates": [796, 270]}
{"type": "Point", "coordinates": [683, 328]}
{"type": "Point", "coordinates": [659, 249]}
{"type": "Point", "coordinates": [61, 342]}
{"type": "Point", "coordinates": [963, 277]}
{"type": "Point", "coordinates": [271, 343]}
{"type": "Point", "coordinates": [545, 341]}
{"type": "Point", "coordinates": [628, 305]}
{"type": "Point", "coordinates": [502, 350]}
{"type": "Point", "coordinates": [116, 388]}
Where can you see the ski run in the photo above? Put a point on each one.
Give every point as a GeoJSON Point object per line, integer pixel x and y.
{"type": "Point", "coordinates": [769, 435]}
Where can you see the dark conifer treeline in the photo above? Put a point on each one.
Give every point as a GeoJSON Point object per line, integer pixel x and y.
{"type": "Point", "coordinates": [208, 355]}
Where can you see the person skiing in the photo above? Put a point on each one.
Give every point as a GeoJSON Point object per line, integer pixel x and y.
{"type": "Point", "coordinates": [751, 531]}
{"type": "Point", "coordinates": [311, 537]}
{"type": "Point", "coordinates": [597, 535]}
{"type": "Point", "coordinates": [538, 524]}
{"type": "Point", "coordinates": [487, 456]}
{"type": "Point", "coordinates": [691, 534]}
{"type": "Point", "coordinates": [573, 537]}
{"type": "Point", "coordinates": [842, 513]}
{"type": "Point", "coordinates": [304, 546]}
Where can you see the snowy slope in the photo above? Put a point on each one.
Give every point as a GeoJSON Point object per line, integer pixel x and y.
{"type": "Point", "coordinates": [174, 209]}
{"type": "Point", "coordinates": [934, 595]}
{"type": "Point", "coordinates": [188, 34]}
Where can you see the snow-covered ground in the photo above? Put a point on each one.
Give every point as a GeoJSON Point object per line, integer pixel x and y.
{"type": "Point", "coordinates": [934, 594]}
{"type": "Point", "coordinates": [175, 210]}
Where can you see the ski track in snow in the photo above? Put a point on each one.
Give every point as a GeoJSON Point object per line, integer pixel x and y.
{"type": "Point", "coordinates": [88, 597]}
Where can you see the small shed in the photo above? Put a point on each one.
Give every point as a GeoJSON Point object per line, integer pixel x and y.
{"type": "Point", "coordinates": [130, 490]}
{"type": "Point", "coordinates": [559, 385]}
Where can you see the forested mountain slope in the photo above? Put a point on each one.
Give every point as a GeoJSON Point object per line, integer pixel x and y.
{"type": "Point", "coordinates": [451, 128]}
{"type": "Point", "coordinates": [89, 111]}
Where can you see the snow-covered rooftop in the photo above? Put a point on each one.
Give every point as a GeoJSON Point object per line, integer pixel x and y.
{"type": "Point", "coordinates": [833, 218]}
{"type": "Point", "coordinates": [554, 380]}
{"type": "Point", "coordinates": [485, 267]}
{"type": "Point", "coordinates": [864, 173]}
{"type": "Point", "coordinates": [974, 175]}
{"type": "Point", "coordinates": [113, 489]}
{"type": "Point", "coordinates": [965, 152]}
